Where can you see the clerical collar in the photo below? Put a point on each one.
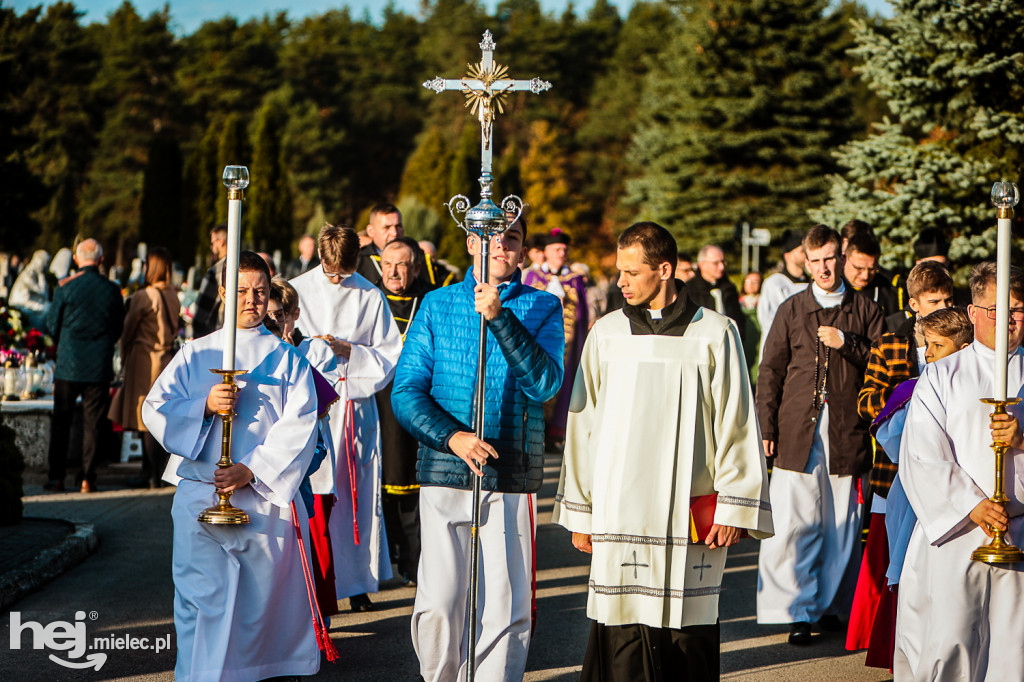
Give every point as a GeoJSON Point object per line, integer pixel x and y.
{"type": "Point", "coordinates": [655, 314]}
{"type": "Point", "coordinates": [675, 317]}
{"type": "Point", "coordinates": [828, 299]}
{"type": "Point", "coordinates": [545, 269]}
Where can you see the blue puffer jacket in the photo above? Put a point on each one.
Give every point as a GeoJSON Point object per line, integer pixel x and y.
{"type": "Point", "coordinates": [435, 382]}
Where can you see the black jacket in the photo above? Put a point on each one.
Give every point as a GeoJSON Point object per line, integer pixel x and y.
{"type": "Point", "coordinates": [85, 319]}
{"type": "Point", "coordinates": [785, 383]}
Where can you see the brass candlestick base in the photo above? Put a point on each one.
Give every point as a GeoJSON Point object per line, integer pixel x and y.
{"type": "Point", "coordinates": [999, 551]}
{"type": "Point", "coordinates": [223, 513]}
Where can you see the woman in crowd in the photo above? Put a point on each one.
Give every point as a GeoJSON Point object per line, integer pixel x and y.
{"type": "Point", "coordinates": [147, 345]}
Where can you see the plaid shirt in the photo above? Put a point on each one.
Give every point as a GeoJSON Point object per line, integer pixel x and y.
{"type": "Point", "coordinates": [891, 362]}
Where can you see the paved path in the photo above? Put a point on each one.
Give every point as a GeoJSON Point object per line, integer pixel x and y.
{"type": "Point", "coordinates": [127, 586]}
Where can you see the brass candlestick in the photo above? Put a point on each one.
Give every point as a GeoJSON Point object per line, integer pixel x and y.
{"type": "Point", "coordinates": [999, 551]}
{"type": "Point", "coordinates": [223, 513]}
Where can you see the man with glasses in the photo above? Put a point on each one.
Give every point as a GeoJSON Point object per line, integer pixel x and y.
{"type": "Point", "coordinates": [711, 287]}
{"type": "Point", "coordinates": [863, 274]}
{"type": "Point", "coordinates": [959, 618]}
{"type": "Point", "coordinates": [347, 311]}
{"type": "Point", "coordinates": [401, 261]}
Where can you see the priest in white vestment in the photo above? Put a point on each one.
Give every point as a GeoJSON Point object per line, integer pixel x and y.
{"type": "Point", "coordinates": [339, 305]}
{"type": "Point", "coordinates": [241, 606]}
{"type": "Point", "coordinates": [957, 618]}
{"type": "Point", "coordinates": [662, 411]}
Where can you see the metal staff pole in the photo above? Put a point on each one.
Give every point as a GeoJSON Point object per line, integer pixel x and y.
{"type": "Point", "coordinates": [485, 220]}
{"type": "Point", "coordinates": [474, 529]}
{"type": "Point", "coordinates": [485, 87]}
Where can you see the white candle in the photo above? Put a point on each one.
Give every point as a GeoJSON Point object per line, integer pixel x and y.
{"type": "Point", "coordinates": [1002, 305]}
{"type": "Point", "coordinates": [231, 282]}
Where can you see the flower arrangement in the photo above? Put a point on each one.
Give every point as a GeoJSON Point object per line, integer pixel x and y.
{"type": "Point", "coordinates": [13, 334]}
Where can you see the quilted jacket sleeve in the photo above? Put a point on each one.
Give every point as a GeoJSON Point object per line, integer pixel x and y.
{"type": "Point", "coordinates": [537, 363]}
{"type": "Point", "coordinates": [415, 409]}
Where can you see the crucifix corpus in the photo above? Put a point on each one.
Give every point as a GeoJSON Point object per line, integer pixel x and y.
{"type": "Point", "coordinates": [486, 86]}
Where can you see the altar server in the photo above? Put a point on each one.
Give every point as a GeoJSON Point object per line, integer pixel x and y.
{"type": "Point", "coordinates": [339, 305]}
{"type": "Point", "coordinates": [241, 607]}
{"type": "Point", "coordinates": [957, 618]}
{"type": "Point", "coordinates": [662, 412]}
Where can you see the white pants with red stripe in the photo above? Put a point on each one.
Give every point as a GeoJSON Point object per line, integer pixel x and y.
{"type": "Point", "coordinates": [440, 618]}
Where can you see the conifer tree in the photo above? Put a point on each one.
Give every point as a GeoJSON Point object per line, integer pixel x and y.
{"type": "Point", "coordinates": [136, 82]}
{"type": "Point", "coordinates": [953, 77]}
{"type": "Point", "coordinates": [270, 222]}
{"type": "Point", "coordinates": [547, 182]}
{"type": "Point", "coordinates": [160, 207]}
{"type": "Point", "coordinates": [738, 119]}
{"type": "Point", "coordinates": [233, 149]}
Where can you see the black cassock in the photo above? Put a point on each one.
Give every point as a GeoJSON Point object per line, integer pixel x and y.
{"type": "Point", "coordinates": [398, 453]}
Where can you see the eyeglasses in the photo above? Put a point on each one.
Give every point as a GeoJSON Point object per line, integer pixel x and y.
{"type": "Point", "coordinates": [340, 275]}
{"type": "Point", "coordinates": [276, 314]}
{"type": "Point", "coordinates": [1015, 313]}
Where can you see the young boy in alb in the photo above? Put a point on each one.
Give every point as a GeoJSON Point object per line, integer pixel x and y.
{"type": "Point", "coordinates": [241, 607]}
{"type": "Point", "coordinates": [959, 618]}
{"type": "Point", "coordinates": [895, 357]}
{"type": "Point", "coordinates": [944, 332]}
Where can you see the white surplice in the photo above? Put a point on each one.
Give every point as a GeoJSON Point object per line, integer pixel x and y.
{"type": "Point", "coordinates": [957, 618]}
{"type": "Point", "coordinates": [355, 311]}
{"type": "Point", "coordinates": [323, 359]}
{"type": "Point", "coordinates": [654, 421]}
{"type": "Point", "coordinates": [776, 289]}
{"type": "Point", "coordinates": [241, 609]}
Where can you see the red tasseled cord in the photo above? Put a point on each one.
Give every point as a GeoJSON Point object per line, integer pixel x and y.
{"type": "Point", "coordinates": [350, 447]}
{"type": "Point", "coordinates": [323, 640]}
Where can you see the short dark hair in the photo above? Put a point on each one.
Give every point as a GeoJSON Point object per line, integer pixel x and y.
{"type": "Point", "coordinates": [285, 294]}
{"type": "Point", "coordinates": [248, 261]}
{"type": "Point", "coordinates": [685, 257]}
{"type": "Point", "coordinates": [521, 222]}
{"type": "Point", "coordinates": [338, 246]}
{"type": "Point", "coordinates": [951, 323]}
{"type": "Point", "coordinates": [929, 275]}
{"type": "Point", "coordinates": [417, 252]}
{"type": "Point", "coordinates": [219, 227]}
{"type": "Point", "coordinates": [657, 243]}
{"type": "Point", "coordinates": [983, 276]}
{"type": "Point", "coordinates": [864, 242]}
{"type": "Point", "coordinates": [820, 235]}
{"type": "Point", "coordinates": [384, 208]}
{"type": "Point", "coordinates": [855, 227]}
{"type": "Point", "coordinates": [931, 242]}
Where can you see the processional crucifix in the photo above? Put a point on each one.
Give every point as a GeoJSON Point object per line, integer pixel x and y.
{"type": "Point", "coordinates": [485, 87]}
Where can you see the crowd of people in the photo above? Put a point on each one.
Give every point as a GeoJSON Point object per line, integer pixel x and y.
{"type": "Point", "coordinates": [817, 400]}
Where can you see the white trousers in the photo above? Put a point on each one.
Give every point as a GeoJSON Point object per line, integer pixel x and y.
{"type": "Point", "coordinates": [809, 568]}
{"type": "Point", "coordinates": [440, 618]}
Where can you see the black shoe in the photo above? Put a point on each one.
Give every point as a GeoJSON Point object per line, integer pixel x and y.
{"type": "Point", "coordinates": [360, 603]}
{"type": "Point", "coordinates": [800, 633]}
{"type": "Point", "coordinates": [54, 487]}
{"type": "Point", "coordinates": [831, 623]}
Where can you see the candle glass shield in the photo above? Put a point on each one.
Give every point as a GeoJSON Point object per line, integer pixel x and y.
{"type": "Point", "coordinates": [236, 177]}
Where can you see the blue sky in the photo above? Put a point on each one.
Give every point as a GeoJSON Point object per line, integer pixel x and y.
{"type": "Point", "coordinates": [187, 15]}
